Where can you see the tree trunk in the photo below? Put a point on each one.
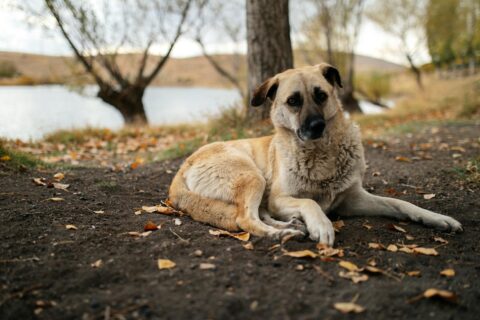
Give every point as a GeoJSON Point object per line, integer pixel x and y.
{"type": "Point", "coordinates": [416, 71]}
{"type": "Point", "coordinates": [350, 103]}
{"type": "Point", "coordinates": [128, 101]}
{"type": "Point", "coordinates": [269, 47]}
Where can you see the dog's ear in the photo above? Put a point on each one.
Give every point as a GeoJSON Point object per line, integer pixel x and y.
{"type": "Point", "coordinates": [267, 89]}
{"type": "Point", "coordinates": [331, 74]}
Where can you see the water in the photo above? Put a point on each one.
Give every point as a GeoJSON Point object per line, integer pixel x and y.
{"type": "Point", "coordinates": [29, 113]}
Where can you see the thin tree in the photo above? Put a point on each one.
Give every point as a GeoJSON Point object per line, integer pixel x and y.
{"type": "Point", "coordinates": [331, 34]}
{"type": "Point", "coordinates": [269, 48]}
{"type": "Point", "coordinates": [405, 20]}
{"type": "Point", "coordinates": [97, 32]}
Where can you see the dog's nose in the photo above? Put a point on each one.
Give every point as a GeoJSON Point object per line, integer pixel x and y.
{"type": "Point", "coordinates": [317, 125]}
{"type": "Point", "coordinates": [312, 128]}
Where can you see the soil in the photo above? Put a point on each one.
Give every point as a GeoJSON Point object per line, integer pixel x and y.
{"type": "Point", "coordinates": [46, 272]}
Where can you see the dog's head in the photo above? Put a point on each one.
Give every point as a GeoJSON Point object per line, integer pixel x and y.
{"type": "Point", "coordinates": [303, 99]}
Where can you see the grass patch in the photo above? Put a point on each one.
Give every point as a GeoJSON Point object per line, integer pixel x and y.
{"type": "Point", "coordinates": [18, 160]}
{"type": "Point", "coordinates": [471, 172]}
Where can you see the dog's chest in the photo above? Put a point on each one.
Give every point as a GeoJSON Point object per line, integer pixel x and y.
{"type": "Point", "coordinates": [322, 175]}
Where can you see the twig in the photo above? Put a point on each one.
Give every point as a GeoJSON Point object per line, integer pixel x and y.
{"type": "Point", "coordinates": [323, 273]}
{"type": "Point", "coordinates": [178, 236]}
{"type": "Point", "coordinates": [34, 258]}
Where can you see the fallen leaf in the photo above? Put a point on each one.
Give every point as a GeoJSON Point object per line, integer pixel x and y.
{"type": "Point", "coordinates": [392, 248]}
{"type": "Point", "coordinates": [71, 227]}
{"type": "Point", "coordinates": [326, 251]}
{"type": "Point", "coordinates": [5, 158]}
{"type": "Point", "coordinates": [97, 264]}
{"type": "Point", "coordinates": [58, 176]}
{"type": "Point", "coordinates": [248, 246]}
{"type": "Point", "coordinates": [55, 199]}
{"type": "Point", "coordinates": [448, 273]}
{"type": "Point", "coordinates": [402, 159]}
{"type": "Point", "coordinates": [150, 226]}
{"type": "Point", "coordinates": [166, 210]}
{"type": "Point", "coordinates": [207, 266]}
{"type": "Point", "coordinates": [349, 266]}
{"type": "Point", "coordinates": [39, 181]}
{"type": "Point", "coordinates": [301, 254]}
{"type": "Point", "coordinates": [198, 253]}
{"type": "Point", "coordinates": [348, 307]}
{"type": "Point", "coordinates": [406, 250]}
{"type": "Point", "coordinates": [367, 226]}
{"type": "Point", "coordinates": [442, 294]}
{"type": "Point", "coordinates": [373, 270]}
{"type": "Point", "coordinates": [414, 273]}
{"type": "Point", "coordinates": [138, 212]}
{"type": "Point", "coordinates": [286, 238]}
{"type": "Point", "coordinates": [177, 222]}
{"type": "Point", "coordinates": [394, 227]}
{"type": "Point", "coordinates": [299, 267]}
{"type": "Point", "coordinates": [60, 186]}
{"type": "Point", "coordinates": [165, 264]}
{"type": "Point", "coordinates": [429, 196]}
{"type": "Point", "coordinates": [242, 236]}
{"type": "Point", "coordinates": [139, 234]}
{"type": "Point", "coordinates": [354, 276]}
{"type": "Point", "coordinates": [440, 239]}
{"type": "Point", "coordinates": [138, 161]}
{"type": "Point", "coordinates": [426, 251]}
{"type": "Point", "coordinates": [338, 225]}
{"type": "Point", "coordinates": [99, 212]}
{"type": "Point", "coordinates": [150, 209]}
{"type": "Point", "coordinates": [409, 237]}
{"type": "Point", "coordinates": [375, 245]}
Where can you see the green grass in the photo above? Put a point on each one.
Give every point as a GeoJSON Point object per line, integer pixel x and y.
{"type": "Point", "coordinates": [18, 160]}
{"type": "Point", "coordinates": [471, 172]}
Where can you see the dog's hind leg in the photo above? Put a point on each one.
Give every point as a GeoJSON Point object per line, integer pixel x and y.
{"type": "Point", "coordinates": [357, 201]}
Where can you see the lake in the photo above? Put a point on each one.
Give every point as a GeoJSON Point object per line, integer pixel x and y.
{"type": "Point", "coordinates": [31, 112]}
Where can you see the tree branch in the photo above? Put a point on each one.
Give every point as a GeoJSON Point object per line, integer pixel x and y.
{"type": "Point", "coordinates": [146, 80]}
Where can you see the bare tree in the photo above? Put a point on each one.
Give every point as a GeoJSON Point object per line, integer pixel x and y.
{"type": "Point", "coordinates": [223, 18]}
{"type": "Point", "coordinates": [331, 34]}
{"type": "Point", "coordinates": [97, 32]}
{"type": "Point", "coordinates": [269, 46]}
{"type": "Point", "coordinates": [405, 20]}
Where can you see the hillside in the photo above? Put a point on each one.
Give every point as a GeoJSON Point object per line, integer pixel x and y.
{"type": "Point", "coordinates": [195, 71]}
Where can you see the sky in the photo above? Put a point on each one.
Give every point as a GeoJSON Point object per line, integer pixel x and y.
{"type": "Point", "coordinates": [19, 36]}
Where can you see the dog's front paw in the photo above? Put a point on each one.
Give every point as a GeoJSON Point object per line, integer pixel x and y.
{"type": "Point", "coordinates": [322, 231]}
{"type": "Point", "coordinates": [444, 223]}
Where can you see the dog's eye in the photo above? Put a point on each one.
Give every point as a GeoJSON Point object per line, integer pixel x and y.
{"type": "Point", "coordinates": [320, 96]}
{"type": "Point", "coordinates": [294, 102]}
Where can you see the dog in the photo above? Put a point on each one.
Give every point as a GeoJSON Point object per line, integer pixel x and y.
{"type": "Point", "coordinates": [313, 164]}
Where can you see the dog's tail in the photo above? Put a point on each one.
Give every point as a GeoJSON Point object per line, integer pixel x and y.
{"type": "Point", "coordinates": [211, 211]}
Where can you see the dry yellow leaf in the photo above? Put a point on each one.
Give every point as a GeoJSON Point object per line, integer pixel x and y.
{"type": "Point", "coordinates": [207, 266]}
{"type": "Point", "coordinates": [60, 186]}
{"type": "Point", "coordinates": [58, 176]}
{"type": "Point", "coordinates": [150, 209]}
{"type": "Point", "coordinates": [97, 264]}
{"type": "Point", "coordinates": [348, 307]}
{"type": "Point", "coordinates": [440, 239]}
{"type": "Point", "coordinates": [426, 251]}
{"type": "Point", "coordinates": [397, 228]}
{"type": "Point", "coordinates": [242, 236]}
{"type": "Point", "coordinates": [429, 196]}
{"type": "Point", "coordinates": [448, 272]}
{"type": "Point", "coordinates": [414, 273]}
{"type": "Point", "coordinates": [355, 277]}
{"type": "Point", "coordinates": [443, 294]}
{"type": "Point", "coordinates": [248, 246]}
{"type": "Point", "coordinates": [301, 254]}
{"type": "Point", "coordinates": [70, 227]}
{"type": "Point", "coordinates": [138, 212]}
{"type": "Point", "coordinates": [99, 212]}
{"type": "Point", "coordinates": [375, 245]}
{"type": "Point", "coordinates": [367, 226]}
{"type": "Point", "coordinates": [406, 250]}
{"type": "Point", "coordinates": [39, 181]}
{"type": "Point", "coordinates": [392, 248]}
{"type": "Point", "coordinates": [5, 158]}
{"type": "Point", "coordinates": [402, 159]}
{"type": "Point", "coordinates": [139, 234]}
{"type": "Point", "coordinates": [56, 199]}
{"type": "Point", "coordinates": [165, 264]}
{"type": "Point", "coordinates": [409, 237]}
{"type": "Point", "coordinates": [348, 265]}
{"type": "Point", "coordinates": [374, 270]}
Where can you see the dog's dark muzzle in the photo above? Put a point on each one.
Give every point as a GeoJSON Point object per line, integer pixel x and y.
{"type": "Point", "coordinates": [312, 128]}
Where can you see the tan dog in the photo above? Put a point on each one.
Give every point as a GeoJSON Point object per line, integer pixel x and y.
{"type": "Point", "coordinates": [312, 165]}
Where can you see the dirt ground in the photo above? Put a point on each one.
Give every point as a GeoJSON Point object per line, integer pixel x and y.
{"type": "Point", "coordinates": [46, 270]}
